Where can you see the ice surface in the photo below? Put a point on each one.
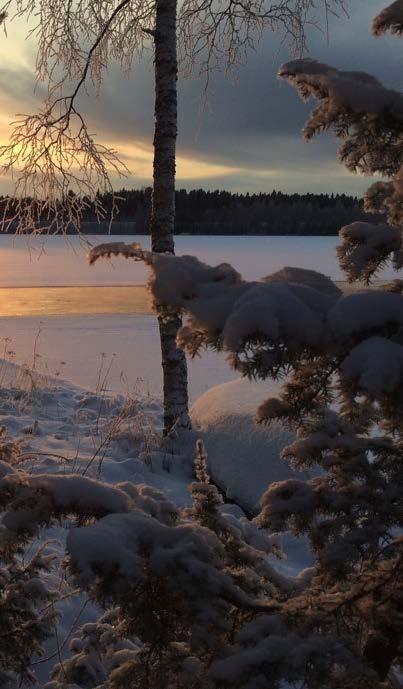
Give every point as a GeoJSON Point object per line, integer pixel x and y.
{"type": "Point", "coordinates": [57, 262]}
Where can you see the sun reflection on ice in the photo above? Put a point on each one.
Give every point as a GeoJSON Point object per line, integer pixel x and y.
{"type": "Point", "coordinates": [52, 301]}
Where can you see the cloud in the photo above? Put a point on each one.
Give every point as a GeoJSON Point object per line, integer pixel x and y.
{"type": "Point", "coordinates": [247, 136]}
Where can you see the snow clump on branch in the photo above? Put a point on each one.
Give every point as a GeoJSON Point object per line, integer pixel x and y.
{"type": "Point", "coordinates": [390, 19]}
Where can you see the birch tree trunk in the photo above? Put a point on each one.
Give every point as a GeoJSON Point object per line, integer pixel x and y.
{"type": "Point", "coordinates": [176, 407]}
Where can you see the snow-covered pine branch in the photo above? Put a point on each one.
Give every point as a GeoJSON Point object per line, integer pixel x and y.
{"type": "Point", "coordinates": [390, 19]}
{"type": "Point", "coordinates": [342, 360]}
{"type": "Point", "coordinates": [357, 108]}
{"type": "Point", "coordinates": [365, 248]}
{"type": "Point", "coordinates": [29, 502]}
{"type": "Point", "coordinates": [27, 613]}
{"type": "Point", "coordinates": [116, 249]}
{"type": "Point", "coordinates": [200, 604]}
{"type": "Point", "coordinates": [368, 118]}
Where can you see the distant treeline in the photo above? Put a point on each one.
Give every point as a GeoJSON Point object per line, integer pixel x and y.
{"type": "Point", "coordinates": [224, 213]}
{"type": "Point", "coordinates": [221, 212]}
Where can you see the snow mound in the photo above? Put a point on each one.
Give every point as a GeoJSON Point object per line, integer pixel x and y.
{"type": "Point", "coordinates": [244, 457]}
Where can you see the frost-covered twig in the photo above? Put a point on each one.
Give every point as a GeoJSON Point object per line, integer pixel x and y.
{"type": "Point", "coordinates": [117, 249]}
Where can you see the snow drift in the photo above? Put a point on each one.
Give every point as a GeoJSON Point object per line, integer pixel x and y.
{"type": "Point", "coordinates": [244, 457]}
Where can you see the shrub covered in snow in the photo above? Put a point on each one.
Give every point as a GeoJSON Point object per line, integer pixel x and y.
{"type": "Point", "coordinates": [198, 606]}
{"type": "Point", "coordinates": [340, 359]}
{"type": "Point", "coordinates": [28, 502]}
{"type": "Point", "coordinates": [353, 512]}
{"type": "Point", "coordinates": [368, 118]}
{"type": "Point", "coordinates": [101, 648]}
{"type": "Point", "coordinates": [27, 616]}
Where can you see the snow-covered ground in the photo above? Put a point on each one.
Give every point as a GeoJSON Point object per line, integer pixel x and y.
{"type": "Point", "coordinates": [64, 429]}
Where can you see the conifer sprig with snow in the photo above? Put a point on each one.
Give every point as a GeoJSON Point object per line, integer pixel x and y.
{"type": "Point", "coordinates": [390, 19]}
{"type": "Point", "coordinates": [343, 358]}
{"type": "Point", "coordinates": [368, 118]}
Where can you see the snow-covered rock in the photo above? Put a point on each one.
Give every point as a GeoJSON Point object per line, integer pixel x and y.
{"type": "Point", "coordinates": [244, 457]}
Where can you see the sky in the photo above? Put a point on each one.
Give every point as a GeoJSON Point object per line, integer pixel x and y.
{"type": "Point", "coordinates": [247, 136]}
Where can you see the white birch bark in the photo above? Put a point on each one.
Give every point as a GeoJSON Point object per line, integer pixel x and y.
{"type": "Point", "coordinates": [176, 408]}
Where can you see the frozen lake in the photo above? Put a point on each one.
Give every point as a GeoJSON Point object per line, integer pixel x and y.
{"type": "Point", "coordinates": [62, 262]}
{"type": "Point", "coordinates": [99, 317]}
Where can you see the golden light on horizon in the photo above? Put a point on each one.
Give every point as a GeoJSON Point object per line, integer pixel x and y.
{"type": "Point", "coordinates": [139, 159]}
